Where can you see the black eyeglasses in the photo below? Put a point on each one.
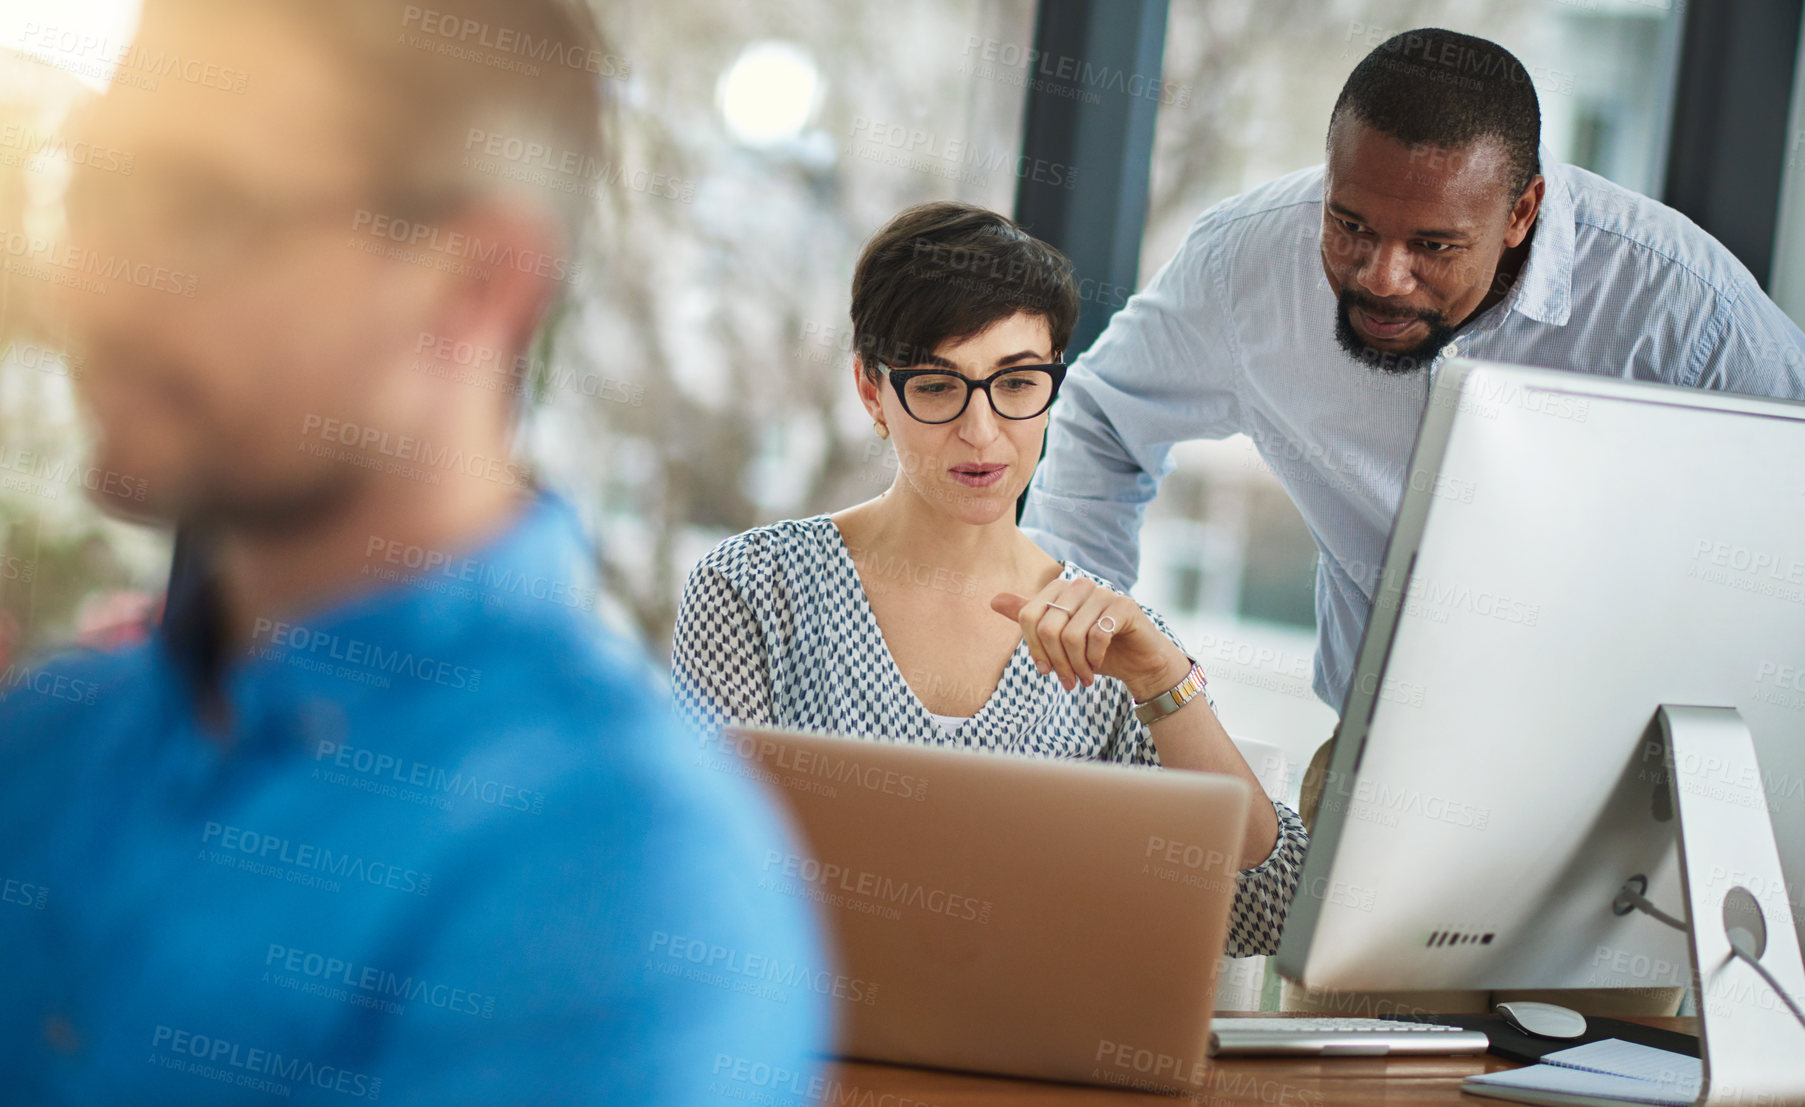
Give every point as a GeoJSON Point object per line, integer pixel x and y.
{"type": "Point", "coordinates": [941, 395]}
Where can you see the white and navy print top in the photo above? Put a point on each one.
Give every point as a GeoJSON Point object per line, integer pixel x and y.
{"type": "Point", "coordinates": [775, 629]}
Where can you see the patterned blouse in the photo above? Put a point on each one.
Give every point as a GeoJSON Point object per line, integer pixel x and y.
{"type": "Point", "coordinates": [775, 628]}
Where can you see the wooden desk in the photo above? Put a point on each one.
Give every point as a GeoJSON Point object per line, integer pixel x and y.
{"type": "Point", "coordinates": [1254, 1081]}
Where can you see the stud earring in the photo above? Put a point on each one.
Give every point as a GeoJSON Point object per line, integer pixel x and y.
{"type": "Point", "coordinates": [882, 431]}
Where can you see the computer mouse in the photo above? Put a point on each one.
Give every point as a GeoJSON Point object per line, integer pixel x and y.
{"type": "Point", "coordinates": [1542, 1020]}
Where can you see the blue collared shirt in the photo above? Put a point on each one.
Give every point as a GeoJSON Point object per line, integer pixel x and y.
{"type": "Point", "coordinates": [1236, 335]}
{"type": "Point", "coordinates": [450, 850]}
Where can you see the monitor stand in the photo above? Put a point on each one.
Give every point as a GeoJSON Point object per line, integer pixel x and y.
{"type": "Point", "coordinates": [1751, 1043]}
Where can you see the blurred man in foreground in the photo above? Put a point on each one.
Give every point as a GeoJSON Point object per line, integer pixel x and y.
{"type": "Point", "coordinates": [380, 813]}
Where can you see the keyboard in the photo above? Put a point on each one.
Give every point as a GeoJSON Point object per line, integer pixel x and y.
{"type": "Point", "coordinates": [1332, 1037]}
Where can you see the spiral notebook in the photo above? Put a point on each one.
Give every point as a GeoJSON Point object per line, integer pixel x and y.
{"type": "Point", "coordinates": [1598, 1074]}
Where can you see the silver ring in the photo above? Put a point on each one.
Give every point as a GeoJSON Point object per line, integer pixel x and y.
{"type": "Point", "coordinates": [1107, 624]}
{"type": "Point", "coordinates": [1056, 607]}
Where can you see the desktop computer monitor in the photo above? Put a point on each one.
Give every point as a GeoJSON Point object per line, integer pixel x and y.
{"type": "Point", "coordinates": [1571, 553]}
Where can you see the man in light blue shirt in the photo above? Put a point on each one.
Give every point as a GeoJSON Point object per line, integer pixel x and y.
{"type": "Point", "coordinates": [381, 813]}
{"type": "Point", "coordinates": [1311, 314]}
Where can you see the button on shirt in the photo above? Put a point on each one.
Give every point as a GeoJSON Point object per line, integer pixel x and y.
{"type": "Point", "coordinates": [450, 850]}
{"type": "Point", "coordinates": [1236, 335]}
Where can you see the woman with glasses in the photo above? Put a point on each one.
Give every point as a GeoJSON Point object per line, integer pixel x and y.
{"type": "Point", "coordinates": [925, 614]}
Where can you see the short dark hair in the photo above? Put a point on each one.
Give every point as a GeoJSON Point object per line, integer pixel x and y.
{"type": "Point", "coordinates": [1436, 87]}
{"type": "Point", "coordinates": [946, 271]}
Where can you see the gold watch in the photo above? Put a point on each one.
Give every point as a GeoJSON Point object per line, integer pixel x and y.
{"type": "Point", "coordinates": [1172, 698]}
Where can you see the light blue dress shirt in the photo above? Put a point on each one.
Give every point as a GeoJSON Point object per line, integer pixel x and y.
{"type": "Point", "coordinates": [1236, 335]}
{"type": "Point", "coordinates": [451, 850]}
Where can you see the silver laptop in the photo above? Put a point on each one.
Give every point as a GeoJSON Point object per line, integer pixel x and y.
{"type": "Point", "coordinates": [1014, 915]}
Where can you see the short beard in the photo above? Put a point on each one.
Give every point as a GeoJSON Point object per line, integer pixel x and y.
{"type": "Point", "coordinates": [1389, 361]}
{"type": "Point", "coordinates": [271, 513]}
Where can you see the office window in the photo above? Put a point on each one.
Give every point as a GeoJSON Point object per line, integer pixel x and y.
{"type": "Point", "coordinates": [698, 383]}
{"type": "Point", "coordinates": [66, 571]}
{"type": "Point", "coordinates": [1234, 566]}
{"type": "Point", "coordinates": [704, 384]}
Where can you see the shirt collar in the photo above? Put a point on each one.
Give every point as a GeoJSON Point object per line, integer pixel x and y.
{"type": "Point", "coordinates": [1545, 287]}
{"type": "Point", "coordinates": [426, 619]}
